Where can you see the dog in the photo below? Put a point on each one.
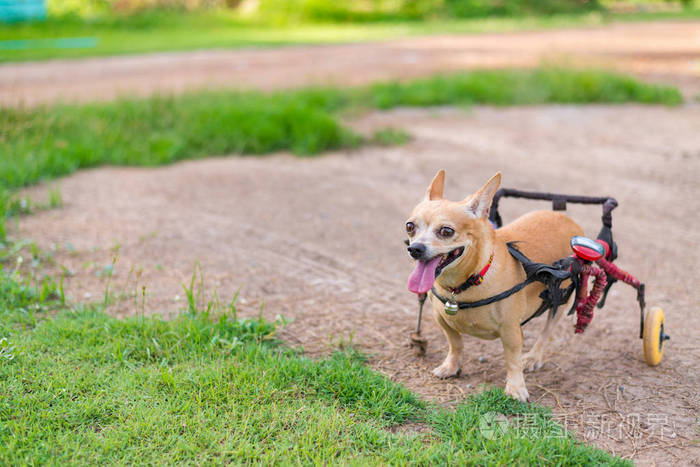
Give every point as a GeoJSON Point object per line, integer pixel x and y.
{"type": "Point", "coordinates": [454, 240]}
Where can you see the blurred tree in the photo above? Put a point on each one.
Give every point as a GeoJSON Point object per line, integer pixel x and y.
{"type": "Point", "coordinates": [286, 11]}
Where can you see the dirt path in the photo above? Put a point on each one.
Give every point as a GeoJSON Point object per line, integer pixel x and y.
{"type": "Point", "coordinates": [320, 240]}
{"type": "Point", "coordinates": [668, 51]}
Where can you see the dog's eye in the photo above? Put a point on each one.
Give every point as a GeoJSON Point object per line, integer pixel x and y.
{"type": "Point", "coordinates": [410, 228]}
{"type": "Point", "coordinates": [446, 232]}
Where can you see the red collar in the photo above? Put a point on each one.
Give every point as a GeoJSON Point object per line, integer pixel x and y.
{"type": "Point", "coordinates": [474, 279]}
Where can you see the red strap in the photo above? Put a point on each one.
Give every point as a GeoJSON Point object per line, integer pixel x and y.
{"type": "Point", "coordinates": [474, 279]}
{"type": "Point", "coordinates": [484, 270]}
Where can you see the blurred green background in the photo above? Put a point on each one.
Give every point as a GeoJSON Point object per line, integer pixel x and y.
{"type": "Point", "coordinates": [111, 27]}
{"type": "Point", "coordinates": [355, 10]}
{"type": "Point", "coordinates": [327, 10]}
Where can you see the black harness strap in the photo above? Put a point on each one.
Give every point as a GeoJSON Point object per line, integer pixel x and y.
{"type": "Point", "coordinates": [490, 300]}
{"type": "Point", "coordinates": [550, 275]}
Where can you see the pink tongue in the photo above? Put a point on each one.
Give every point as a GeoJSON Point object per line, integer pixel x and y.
{"type": "Point", "coordinates": [423, 276]}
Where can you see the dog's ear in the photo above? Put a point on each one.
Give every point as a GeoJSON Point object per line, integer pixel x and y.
{"type": "Point", "coordinates": [479, 203]}
{"type": "Point", "coordinates": [436, 187]}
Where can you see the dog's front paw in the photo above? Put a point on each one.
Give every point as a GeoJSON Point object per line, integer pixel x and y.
{"type": "Point", "coordinates": [447, 369]}
{"type": "Point", "coordinates": [532, 361]}
{"type": "Point", "coordinates": [517, 390]}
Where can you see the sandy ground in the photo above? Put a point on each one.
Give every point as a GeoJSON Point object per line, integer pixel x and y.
{"type": "Point", "coordinates": [320, 240]}
{"type": "Point", "coordinates": [666, 51]}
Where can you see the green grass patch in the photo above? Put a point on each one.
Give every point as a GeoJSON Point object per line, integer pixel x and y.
{"type": "Point", "coordinates": [48, 142]}
{"type": "Point", "coordinates": [402, 10]}
{"type": "Point", "coordinates": [57, 140]}
{"type": "Point", "coordinates": [390, 137]}
{"type": "Point", "coordinates": [158, 31]}
{"type": "Point", "coordinates": [542, 86]}
{"type": "Point", "coordinates": [211, 387]}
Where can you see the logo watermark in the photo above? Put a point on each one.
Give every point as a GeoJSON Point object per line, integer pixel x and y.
{"type": "Point", "coordinates": [589, 426]}
{"type": "Point", "coordinates": [618, 426]}
{"type": "Point", "coordinates": [493, 425]}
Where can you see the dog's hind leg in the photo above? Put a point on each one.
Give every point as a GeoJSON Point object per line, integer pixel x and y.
{"type": "Point", "coordinates": [534, 359]}
{"type": "Point", "coordinates": [451, 365]}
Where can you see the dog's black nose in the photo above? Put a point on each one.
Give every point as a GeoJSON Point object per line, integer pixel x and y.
{"type": "Point", "coordinates": [416, 250]}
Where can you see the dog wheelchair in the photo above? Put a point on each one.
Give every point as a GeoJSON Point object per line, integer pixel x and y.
{"type": "Point", "coordinates": [590, 258]}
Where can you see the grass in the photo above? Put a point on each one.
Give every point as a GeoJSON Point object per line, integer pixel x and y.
{"type": "Point", "coordinates": [403, 10]}
{"type": "Point", "coordinates": [79, 386]}
{"type": "Point", "coordinates": [158, 32]}
{"type": "Point", "coordinates": [542, 86]}
{"type": "Point", "coordinates": [61, 139]}
{"type": "Point", "coordinates": [390, 137]}
{"type": "Point", "coordinates": [44, 143]}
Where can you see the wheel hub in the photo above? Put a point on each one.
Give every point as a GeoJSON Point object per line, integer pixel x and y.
{"type": "Point", "coordinates": [662, 337]}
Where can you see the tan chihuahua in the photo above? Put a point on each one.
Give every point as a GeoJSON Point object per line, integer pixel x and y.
{"type": "Point", "coordinates": [453, 241]}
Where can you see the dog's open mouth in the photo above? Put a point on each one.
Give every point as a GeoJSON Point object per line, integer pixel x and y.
{"type": "Point", "coordinates": [448, 258]}
{"type": "Point", "coordinates": [423, 276]}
